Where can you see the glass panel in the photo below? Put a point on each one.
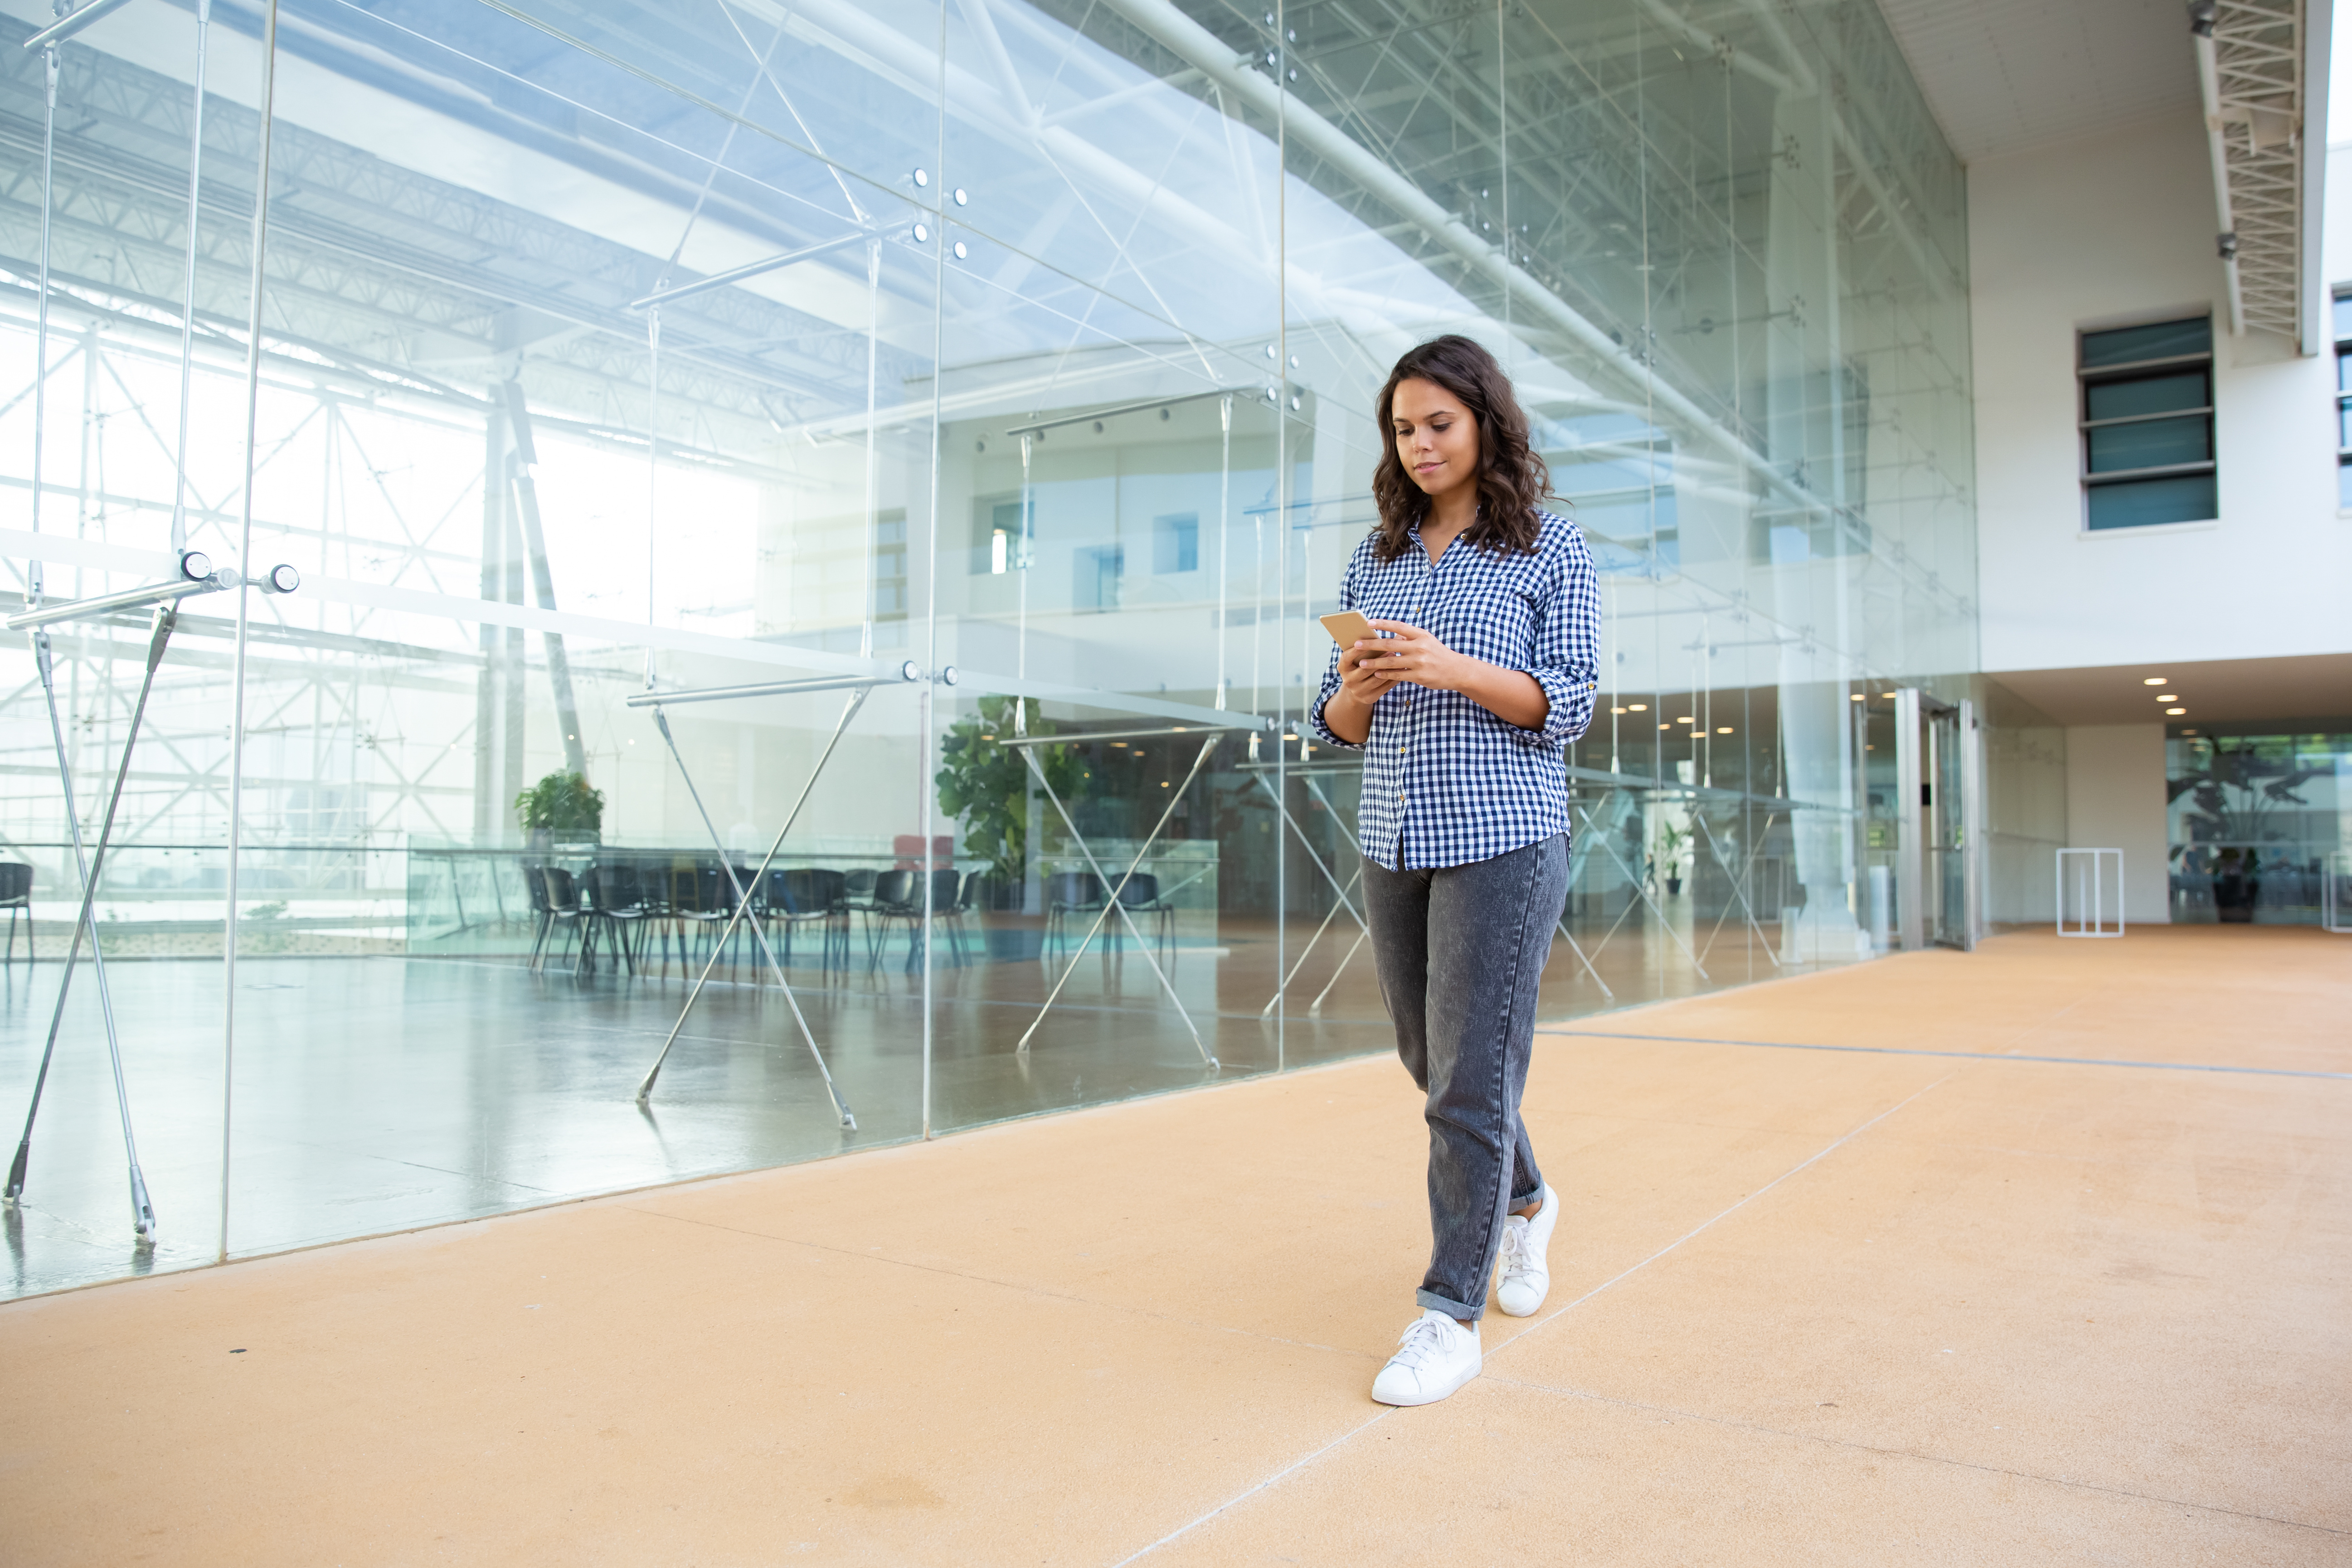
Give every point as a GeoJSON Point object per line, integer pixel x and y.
{"type": "Point", "coordinates": [699, 346]}
{"type": "Point", "coordinates": [477, 890]}
{"type": "Point", "coordinates": [2254, 821]}
{"type": "Point", "coordinates": [2137, 503]}
{"type": "Point", "coordinates": [2342, 306]}
{"type": "Point", "coordinates": [126, 359]}
{"type": "Point", "coordinates": [2147, 395]}
{"type": "Point", "coordinates": [2343, 366]}
{"type": "Point", "coordinates": [2344, 483]}
{"type": "Point", "coordinates": [2158, 340]}
{"type": "Point", "coordinates": [2150, 444]}
{"type": "Point", "coordinates": [1110, 537]}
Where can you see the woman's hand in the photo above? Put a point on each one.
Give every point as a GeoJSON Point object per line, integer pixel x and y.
{"type": "Point", "coordinates": [1411, 655]}
{"type": "Point", "coordinates": [1370, 668]}
{"type": "Point", "coordinates": [1416, 658]}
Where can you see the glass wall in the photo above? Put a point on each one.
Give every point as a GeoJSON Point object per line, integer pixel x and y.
{"type": "Point", "coordinates": [2260, 825]}
{"type": "Point", "coordinates": [809, 523]}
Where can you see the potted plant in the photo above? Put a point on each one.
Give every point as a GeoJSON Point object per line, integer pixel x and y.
{"type": "Point", "coordinates": [985, 786]}
{"type": "Point", "coordinates": [562, 804]}
{"type": "Point", "coordinates": [1672, 840]}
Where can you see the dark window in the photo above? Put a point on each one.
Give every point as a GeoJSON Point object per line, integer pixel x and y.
{"type": "Point", "coordinates": [2148, 424]}
{"type": "Point", "coordinates": [2343, 401]}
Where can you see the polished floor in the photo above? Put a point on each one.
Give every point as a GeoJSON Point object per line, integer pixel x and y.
{"type": "Point", "coordinates": [375, 1094]}
{"type": "Point", "coordinates": [2036, 1255]}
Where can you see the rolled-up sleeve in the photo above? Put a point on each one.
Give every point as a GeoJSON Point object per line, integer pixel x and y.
{"type": "Point", "coordinates": [1566, 658]}
{"type": "Point", "coordinates": [1323, 732]}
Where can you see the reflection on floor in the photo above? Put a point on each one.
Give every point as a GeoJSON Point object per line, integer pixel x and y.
{"type": "Point", "coordinates": [378, 1094]}
{"type": "Point", "coordinates": [2041, 1298]}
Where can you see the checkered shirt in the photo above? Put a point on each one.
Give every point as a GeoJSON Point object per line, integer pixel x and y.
{"type": "Point", "coordinates": [1446, 782]}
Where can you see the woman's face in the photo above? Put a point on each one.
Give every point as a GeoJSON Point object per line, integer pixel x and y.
{"type": "Point", "coordinates": [1436, 438]}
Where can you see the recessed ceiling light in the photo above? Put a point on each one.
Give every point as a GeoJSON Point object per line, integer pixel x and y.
{"type": "Point", "coordinates": [2189, 731]}
{"type": "Point", "coordinates": [1666, 726]}
{"type": "Point", "coordinates": [1686, 719]}
{"type": "Point", "coordinates": [2168, 697]}
{"type": "Point", "coordinates": [2175, 710]}
{"type": "Point", "coordinates": [1723, 729]}
{"type": "Point", "coordinates": [1616, 710]}
{"type": "Point", "coordinates": [1637, 707]}
{"type": "Point", "coordinates": [1857, 697]}
{"type": "Point", "coordinates": [2155, 680]}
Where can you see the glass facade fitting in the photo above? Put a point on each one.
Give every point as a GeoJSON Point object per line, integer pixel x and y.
{"type": "Point", "coordinates": [894, 456]}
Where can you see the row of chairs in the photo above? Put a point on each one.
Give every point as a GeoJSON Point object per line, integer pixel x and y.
{"type": "Point", "coordinates": [620, 905]}
{"type": "Point", "coordinates": [1081, 893]}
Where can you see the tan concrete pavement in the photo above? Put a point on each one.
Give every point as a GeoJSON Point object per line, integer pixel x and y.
{"type": "Point", "coordinates": [1816, 1306]}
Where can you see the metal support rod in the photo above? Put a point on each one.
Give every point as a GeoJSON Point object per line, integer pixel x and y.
{"type": "Point", "coordinates": [1072, 737]}
{"type": "Point", "coordinates": [188, 283]}
{"type": "Point", "coordinates": [1315, 1008]}
{"type": "Point", "coordinates": [542, 579]}
{"type": "Point", "coordinates": [749, 269]}
{"type": "Point", "coordinates": [1328, 916]}
{"type": "Point", "coordinates": [1112, 900]}
{"type": "Point", "coordinates": [41, 327]}
{"type": "Point", "coordinates": [743, 914]}
{"type": "Point", "coordinates": [768, 689]}
{"type": "Point", "coordinates": [260, 252]}
{"type": "Point", "coordinates": [645, 1090]}
{"type": "Point", "coordinates": [1310, 848]}
{"type": "Point", "coordinates": [142, 1211]}
{"type": "Point", "coordinates": [127, 599]}
{"type": "Point", "coordinates": [66, 26]}
{"type": "Point", "coordinates": [1573, 948]}
{"type": "Point", "coordinates": [1738, 887]}
{"type": "Point", "coordinates": [1646, 899]}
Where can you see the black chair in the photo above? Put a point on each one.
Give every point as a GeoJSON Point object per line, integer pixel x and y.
{"type": "Point", "coordinates": [542, 919]}
{"type": "Point", "coordinates": [616, 910]}
{"type": "Point", "coordinates": [807, 894]}
{"type": "Point", "coordinates": [16, 894]}
{"type": "Point", "coordinates": [897, 897]}
{"type": "Point", "coordinates": [564, 910]}
{"type": "Point", "coordinates": [1068, 893]}
{"type": "Point", "coordinates": [1141, 895]}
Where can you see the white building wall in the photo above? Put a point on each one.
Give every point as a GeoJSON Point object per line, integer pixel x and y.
{"type": "Point", "coordinates": [2105, 232]}
{"type": "Point", "coordinates": [2115, 800]}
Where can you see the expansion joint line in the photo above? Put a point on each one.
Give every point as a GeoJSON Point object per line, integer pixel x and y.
{"type": "Point", "coordinates": [1537, 1326]}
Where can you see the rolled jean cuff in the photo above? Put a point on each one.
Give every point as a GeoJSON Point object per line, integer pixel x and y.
{"type": "Point", "coordinates": [1521, 1200]}
{"type": "Point", "coordinates": [1451, 1308]}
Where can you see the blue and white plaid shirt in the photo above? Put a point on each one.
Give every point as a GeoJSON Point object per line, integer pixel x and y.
{"type": "Point", "coordinates": [1446, 782]}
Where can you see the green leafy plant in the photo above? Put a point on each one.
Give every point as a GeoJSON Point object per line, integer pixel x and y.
{"type": "Point", "coordinates": [986, 785]}
{"type": "Point", "coordinates": [561, 802]}
{"type": "Point", "coordinates": [1672, 841]}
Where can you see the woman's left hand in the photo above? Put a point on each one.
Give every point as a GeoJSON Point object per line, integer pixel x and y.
{"type": "Point", "coordinates": [1416, 657]}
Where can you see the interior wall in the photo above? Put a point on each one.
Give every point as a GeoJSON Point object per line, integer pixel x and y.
{"type": "Point", "coordinates": [2104, 232]}
{"type": "Point", "coordinates": [2115, 800]}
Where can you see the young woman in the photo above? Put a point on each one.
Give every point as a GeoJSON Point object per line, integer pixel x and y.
{"type": "Point", "coordinates": [1464, 711]}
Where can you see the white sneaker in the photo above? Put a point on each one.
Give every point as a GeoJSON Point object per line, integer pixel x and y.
{"type": "Point", "coordinates": [1435, 1356]}
{"type": "Point", "coordinates": [1524, 1272]}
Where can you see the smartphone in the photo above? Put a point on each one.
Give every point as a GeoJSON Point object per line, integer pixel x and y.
{"type": "Point", "coordinates": [1349, 627]}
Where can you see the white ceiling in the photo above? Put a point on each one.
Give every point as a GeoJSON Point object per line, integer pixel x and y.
{"type": "Point", "coordinates": [2003, 76]}
{"type": "Point", "coordinates": [2230, 691]}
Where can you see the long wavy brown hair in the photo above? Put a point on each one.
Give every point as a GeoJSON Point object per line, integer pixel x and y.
{"type": "Point", "coordinates": [1512, 479]}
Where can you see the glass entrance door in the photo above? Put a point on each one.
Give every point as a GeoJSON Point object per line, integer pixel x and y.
{"type": "Point", "coordinates": [1943, 828]}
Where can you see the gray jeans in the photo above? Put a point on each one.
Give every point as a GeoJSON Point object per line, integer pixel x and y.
{"type": "Point", "coordinates": [1459, 953]}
